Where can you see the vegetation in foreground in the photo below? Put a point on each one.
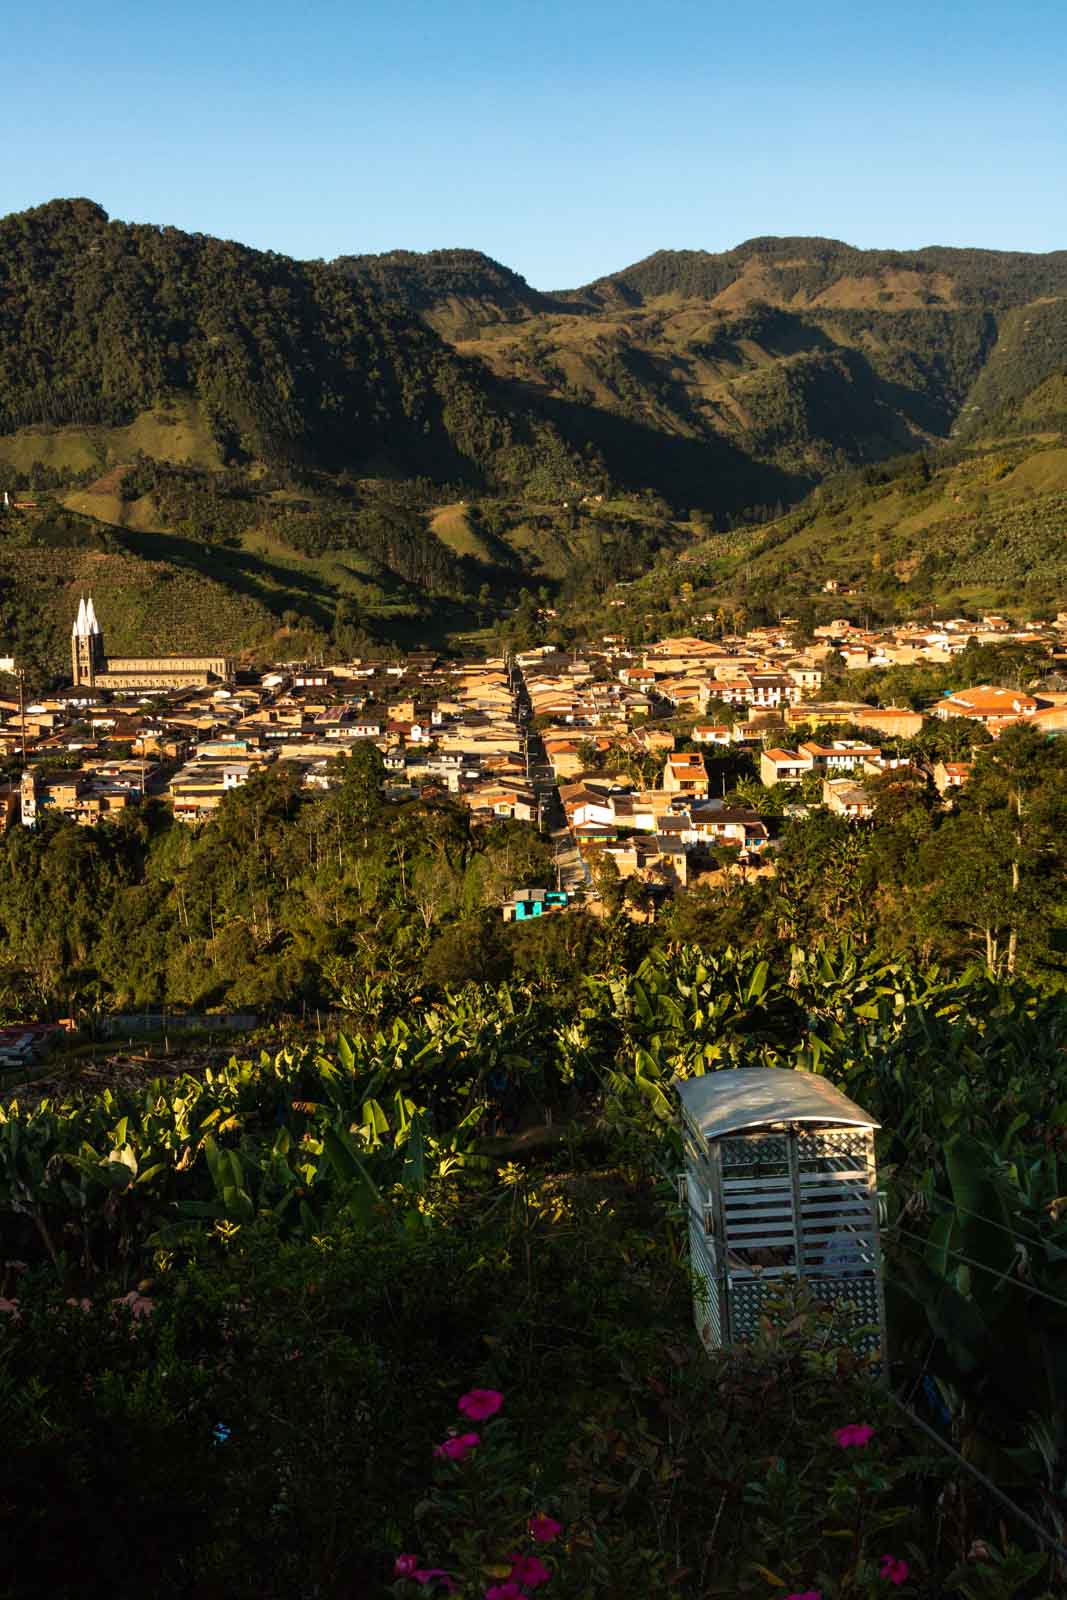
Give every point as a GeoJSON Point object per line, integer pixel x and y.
{"type": "Point", "coordinates": [243, 1303]}
{"type": "Point", "coordinates": [294, 900]}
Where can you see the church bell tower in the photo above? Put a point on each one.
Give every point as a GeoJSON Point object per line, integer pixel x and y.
{"type": "Point", "coordinates": [86, 646]}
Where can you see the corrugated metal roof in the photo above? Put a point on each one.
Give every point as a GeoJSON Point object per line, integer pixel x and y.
{"type": "Point", "coordinates": [750, 1097]}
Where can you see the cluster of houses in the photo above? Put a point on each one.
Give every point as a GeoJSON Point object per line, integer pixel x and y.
{"type": "Point", "coordinates": [89, 752]}
{"type": "Point", "coordinates": [499, 735]}
{"type": "Point", "coordinates": [662, 834]}
{"type": "Point", "coordinates": [911, 643]}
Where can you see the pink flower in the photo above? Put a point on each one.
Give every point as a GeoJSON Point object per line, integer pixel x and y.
{"type": "Point", "coordinates": [480, 1404]}
{"type": "Point", "coordinates": [457, 1448]}
{"type": "Point", "coordinates": [83, 1305]}
{"type": "Point", "coordinates": [404, 1566]}
{"type": "Point", "coordinates": [529, 1570]}
{"type": "Point", "coordinates": [9, 1308]}
{"type": "Point", "coordinates": [544, 1529]}
{"type": "Point", "coordinates": [506, 1591]}
{"type": "Point", "coordinates": [136, 1304]}
{"type": "Point", "coordinates": [853, 1433]}
{"type": "Point", "coordinates": [893, 1571]}
{"type": "Point", "coordinates": [426, 1575]}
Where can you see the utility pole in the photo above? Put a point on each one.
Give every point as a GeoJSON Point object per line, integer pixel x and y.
{"type": "Point", "coordinates": [22, 713]}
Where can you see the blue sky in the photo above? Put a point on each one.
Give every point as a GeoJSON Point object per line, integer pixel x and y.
{"type": "Point", "coordinates": [567, 140]}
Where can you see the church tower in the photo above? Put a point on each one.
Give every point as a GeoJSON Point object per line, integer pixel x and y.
{"type": "Point", "coordinates": [86, 646]}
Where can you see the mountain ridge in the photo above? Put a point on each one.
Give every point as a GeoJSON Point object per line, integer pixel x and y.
{"type": "Point", "coordinates": [1012, 277]}
{"type": "Point", "coordinates": [291, 429]}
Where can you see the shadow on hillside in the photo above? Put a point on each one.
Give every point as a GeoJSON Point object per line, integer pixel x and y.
{"type": "Point", "coordinates": [887, 410]}
{"type": "Point", "coordinates": [276, 588]}
{"type": "Point", "coordinates": [710, 473]}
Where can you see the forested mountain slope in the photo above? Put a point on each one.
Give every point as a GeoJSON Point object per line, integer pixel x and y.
{"type": "Point", "coordinates": [293, 362]}
{"type": "Point", "coordinates": [980, 524]}
{"type": "Point", "coordinates": [296, 432]}
{"type": "Point", "coordinates": [452, 289]}
{"type": "Point", "coordinates": [805, 354]}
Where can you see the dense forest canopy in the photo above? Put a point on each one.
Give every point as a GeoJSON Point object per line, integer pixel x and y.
{"type": "Point", "coordinates": [804, 267]}
{"type": "Point", "coordinates": [279, 436]}
{"type": "Point", "coordinates": [294, 362]}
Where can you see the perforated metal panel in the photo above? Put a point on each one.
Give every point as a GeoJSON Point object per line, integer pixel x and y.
{"type": "Point", "coordinates": [745, 1297]}
{"type": "Point", "coordinates": [833, 1141]}
{"type": "Point", "coordinates": [753, 1150]}
{"type": "Point", "coordinates": [865, 1294]}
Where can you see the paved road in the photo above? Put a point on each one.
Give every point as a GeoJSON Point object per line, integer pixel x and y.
{"type": "Point", "coordinates": [573, 871]}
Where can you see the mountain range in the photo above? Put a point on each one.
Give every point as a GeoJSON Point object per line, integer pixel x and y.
{"type": "Point", "coordinates": [379, 436]}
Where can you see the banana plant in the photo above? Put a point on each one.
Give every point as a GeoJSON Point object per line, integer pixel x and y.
{"type": "Point", "coordinates": [990, 1279]}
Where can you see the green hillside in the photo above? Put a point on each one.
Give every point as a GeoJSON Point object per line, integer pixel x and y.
{"type": "Point", "coordinates": [743, 378]}
{"type": "Point", "coordinates": [291, 362]}
{"type": "Point", "coordinates": [454, 290]}
{"type": "Point", "coordinates": [397, 444]}
{"type": "Point", "coordinates": [984, 527]}
{"type": "Point", "coordinates": [805, 270]}
{"type": "Point", "coordinates": [148, 597]}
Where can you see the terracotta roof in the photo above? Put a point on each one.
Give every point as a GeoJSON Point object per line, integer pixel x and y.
{"type": "Point", "coordinates": [985, 700]}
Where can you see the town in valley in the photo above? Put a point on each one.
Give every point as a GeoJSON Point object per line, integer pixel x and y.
{"type": "Point", "coordinates": [653, 766]}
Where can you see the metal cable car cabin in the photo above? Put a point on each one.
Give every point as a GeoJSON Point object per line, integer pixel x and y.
{"type": "Point", "coordinates": [780, 1182]}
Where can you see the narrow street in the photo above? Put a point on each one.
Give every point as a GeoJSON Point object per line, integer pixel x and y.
{"type": "Point", "coordinates": [572, 871]}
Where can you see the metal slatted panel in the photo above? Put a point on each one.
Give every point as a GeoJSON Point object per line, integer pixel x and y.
{"type": "Point", "coordinates": [838, 1205]}
{"type": "Point", "coordinates": [706, 1299]}
{"type": "Point", "coordinates": [703, 1262]}
{"type": "Point", "coordinates": [758, 1213]}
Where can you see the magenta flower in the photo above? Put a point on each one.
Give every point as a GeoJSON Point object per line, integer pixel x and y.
{"type": "Point", "coordinates": [405, 1566]}
{"type": "Point", "coordinates": [426, 1575]}
{"type": "Point", "coordinates": [528, 1570]}
{"type": "Point", "coordinates": [480, 1404]}
{"type": "Point", "coordinates": [853, 1433]}
{"type": "Point", "coordinates": [544, 1529]}
{"type": "Point", "coordinates": [457, 1448]}
{"type": "Point", "coordinates": [136, 1303]}
{"type": "Point", "coordinates": [506, 1591]}
{"type": "Point", "coordinates": [893, 1570]}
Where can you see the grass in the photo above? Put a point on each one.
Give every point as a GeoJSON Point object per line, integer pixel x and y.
{"type": "Point", "coordinates": [984, 531]}
{"type": "Point", "coordinates": [452, 526]}
{"type": "Point", "coordinates": [1044, 472]}
{"type": "Point", "coordinates": [140, 516]}
{"type": "Point", "coordinates": [177, 431]}
{"type": "Point", "coordinates": [147, 607]}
